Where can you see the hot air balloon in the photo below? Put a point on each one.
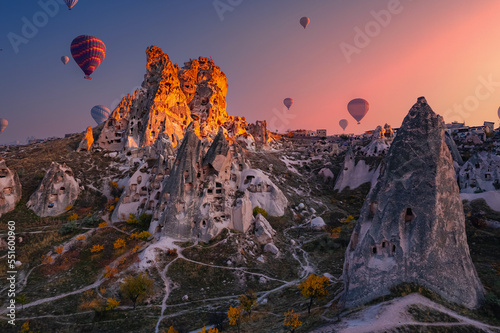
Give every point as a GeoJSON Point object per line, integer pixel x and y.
{"type": "Point", "coordinates": [3, 124]}
{"type": "Point", "coordinates": [358, 108]}
{"type": "Point", "coordinates": [88, 52]}
{"type": "Point", "coordinates": [100, 113]}
{"type": "Point", "coordinates": [305, 21]}
{"type": "Point", "coordinates": [70, 3]}
{"type": "Point", "coordinates": [288, 103]}
{"type": "Point", "coordinates": [64, 59]}
{"type": "Point", "coordinates": [498, 112]}
{"type": "Point", "coordinates": [343, 123]}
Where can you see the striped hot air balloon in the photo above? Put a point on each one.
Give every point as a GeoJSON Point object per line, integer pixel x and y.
{"type": "Point", "coordinates": [3, 124]}
{"type": "Point", "coordinates": [88, 52]}
{"type": "Point", "coordinates": [70, 3]}
{"type": "Point", "coordinates": [100, 113]}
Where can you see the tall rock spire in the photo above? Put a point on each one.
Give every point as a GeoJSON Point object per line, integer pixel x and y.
{"type": "Point", "coordinates": [412, 226]}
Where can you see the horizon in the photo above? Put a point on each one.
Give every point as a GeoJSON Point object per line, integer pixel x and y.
{"type": "Point", "coordinates": [266, 55]}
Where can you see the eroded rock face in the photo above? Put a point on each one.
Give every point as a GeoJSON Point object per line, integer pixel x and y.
{"type": "Point", "coordinates": [170, 99]}
{"type": "Point", "coordinates": [355, 174]}
{"type": "Point", "coordinates": [200, 191]}
{"type": "Point", "coordinates": [480, 172]}
{"type": "Point", "coordinates": [10, 188]}
{"type": "Point", "coordinates": [453, 149]}
{"type": "Point", "coordinates": [412, 227]}
{"type": "Point", "coordinates": [87, 141]}
{"type": "Point", "coordinates": [381, 141]}
{"type": "Point", "coordinates": [263, 231]}
{"type": "Point", "coordinates": [57, 191]}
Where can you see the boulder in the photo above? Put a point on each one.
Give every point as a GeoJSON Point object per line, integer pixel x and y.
{"type": "Point", "coordinates": [263, 231]}
{"type": "Point", "coordinates": [10, 188]}
{"type": "Point", "coordinates": [271, 248]}
{"type": "Point", "coordinates": [58, 190]}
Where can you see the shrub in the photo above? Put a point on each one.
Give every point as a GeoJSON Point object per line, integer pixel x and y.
{"type": "Point", "coordinates": [137, 288]}
{"type": "Point", "coordinates": [97, 248]}
{"type": "Point", "coordinates": [110, 272]}
{"type": "Point", "coordinates": [145, 221]}
{"type": "Point", "coordinates": [132, 219]}
{"type": "Point", "coordinates": [111, 303]}
{"type": "Point", "coordinates": [67, 228]}
{"type": "Point", "coordinates": [90, 221]}
{"type": "Point", "coordinates": [103, 225]}
{"type": "Point", "coordinates": [73, 217]}
{"type": "Point", "coordinates": [119, 243]}
{"type": "Point", "coordinates": [257, 210]}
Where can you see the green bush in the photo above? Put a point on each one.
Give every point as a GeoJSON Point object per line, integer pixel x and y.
{"type": "Point", "coordinates": [91, 221]}
{"type": "Point", "coordinates": [145, 221]}
{"type": "Point", "coordinates": [257, 210]}
{"type": "Point", "coordinates": [68, 228]}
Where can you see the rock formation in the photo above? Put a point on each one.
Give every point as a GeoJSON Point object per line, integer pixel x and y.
{"type": "Point", "coordinates": [169, 100]}
{"type": "Point", "coordinates": [87, 141]}
{"type": "Point", "coordinates": [355, 174]}
{"type": "Point", "coordinates": [380, 143]}
{"type": "Point", "coordinates": [263, 231]}
{"type": "Point", "coordinates": [205, 188]}
{"type": "Point", "coordinates": [412, 226]}
{"type": "Point", "coordinates": [453, 149]}
{"type": "Point", "coordinates": [480, 173]}
{"type": "Point", "coordinates": [57, 191]}
{"type": "Point", "coordinates": [10, 188]}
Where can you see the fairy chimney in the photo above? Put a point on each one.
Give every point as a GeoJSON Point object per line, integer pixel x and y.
{"type": "Point", "coordinates": [412, 226]}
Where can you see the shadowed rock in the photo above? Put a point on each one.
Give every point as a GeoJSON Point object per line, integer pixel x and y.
{"type": "Point", "coordinates": [412, 225]}
{"type": "Point", "coordinates": [10, 188]}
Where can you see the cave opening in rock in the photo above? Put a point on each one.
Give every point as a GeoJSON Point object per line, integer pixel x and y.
{"type": "Point", "coordinates": [409, 215]}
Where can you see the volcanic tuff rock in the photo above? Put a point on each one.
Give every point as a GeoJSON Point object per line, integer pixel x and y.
{"type": "Point", "coordinates": [87, 141]}
{"type": "Point", "coordinates": [481, 171]}
{"type": "Point", "coordinates": [380, 143]}
{"type": "Point", "coordinates": [412, 226]}
{"type": "Point", "coordinates": [10, 188]}
{"type": "Point", "coordinates": [355, 174]}
{"type": "Point", "coordinates": [170, 99]}
{"type": "Point", "coordinates": [57, 191]}
{"type": "Point", "coordinates": [453, 148]}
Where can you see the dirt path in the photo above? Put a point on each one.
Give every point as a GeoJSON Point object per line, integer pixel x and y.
{"type": "Point", "coordinates": [388, 315]}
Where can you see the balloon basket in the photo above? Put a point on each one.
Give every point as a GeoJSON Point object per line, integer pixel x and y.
{"type": "Point", "coordinates": [87, 77]}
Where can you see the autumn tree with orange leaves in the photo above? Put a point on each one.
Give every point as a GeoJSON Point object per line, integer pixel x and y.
{"type": "Point", "coordinates": [314, 287]}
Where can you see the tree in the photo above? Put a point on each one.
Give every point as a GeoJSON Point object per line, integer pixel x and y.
{"type": "Point", "coordinates": [234, 315]}
{"type": "Point", "coordinates": [292, 320]}
{"type": "Point", "coordinates": [172, 330]}
{"type": "Point", "coordinates": [314, 287]}
{"type": "Point", "coordinates": [210, 330]}
{"type": "Point", "coordinates": [247, 301]}
{"type": "Point", "coordinates": [136, 288]}
{"type": "Point", "coordinates": [257, 210]}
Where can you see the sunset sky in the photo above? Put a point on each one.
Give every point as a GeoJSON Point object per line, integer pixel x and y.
{"type": "Point", "coordinates": [446, 50]}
